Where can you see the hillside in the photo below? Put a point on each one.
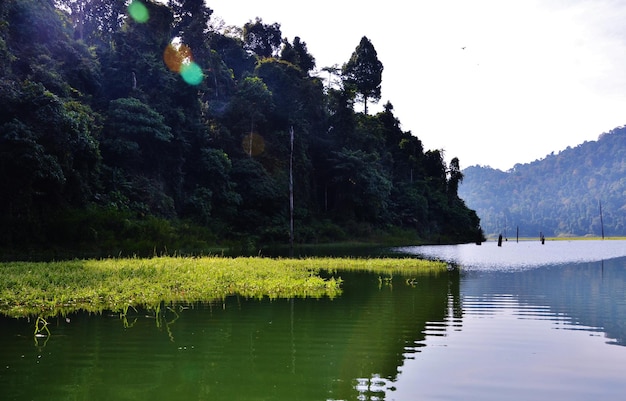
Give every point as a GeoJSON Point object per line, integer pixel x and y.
{"type": "Point", "coordinates": [559, 195]}
{"type": "Point", "coordinates": [146, 128]}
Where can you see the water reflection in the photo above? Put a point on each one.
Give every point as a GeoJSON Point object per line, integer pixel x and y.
{"type": "Point", "coordinates": [532, 333]}
{"type": "Point", "coordinates": [305, 349]}
{"type": "Point", "coordinates": [502, 353]}
{"type": "Point", "coordinates": [583, 281]}
{"type": "Point", "coordinates": [529, 330]}
{"type": "Point", "coordinates": [590, 295]}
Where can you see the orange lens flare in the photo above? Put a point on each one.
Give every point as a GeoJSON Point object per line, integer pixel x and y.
{"type": "Point", "coordinates": [175, 56]}
{"type": "Point", "coordinates": [179, 59]}
{"type": "Point", "coordinates": [253, 144]}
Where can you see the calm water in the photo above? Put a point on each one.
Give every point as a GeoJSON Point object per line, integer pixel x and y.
{"type": "Point", "coordinates": [518, 322]}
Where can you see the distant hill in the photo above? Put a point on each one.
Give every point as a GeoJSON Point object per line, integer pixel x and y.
{"type": "Point", "coordinates": [560, 195]}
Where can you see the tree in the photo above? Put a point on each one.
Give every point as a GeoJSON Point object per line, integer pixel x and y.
{"type": "Point", "coordinates": [435, 169]}
{"type": "Point", "coordinates": [212, 188]}
{"type": "Point", "coordinates": [285, 83]}
{"type": "Point", "coordinates": [96, 119]}
{"type": "Point", "coordinates": [249, 108]}
{"type": "Point", "coordinates": [134, 61]}
{"type": "Point", "coordinates": [363, 72]}
{"type": "Point", "coordinates": [263, 200]}
{"type": "Point", "coordinates": [191, 23]}
{"type": "Point", "coordinates": [94, 21]}
{"type": "Point", "coordinates": [135, 135]}
{"type": "Point", "coordinates": [48, 150]}
{"type": "Point", "coordinates": [361, 186]}
{"type": "Point", "coordinates": [405, 150]}
{"type": "Point", "coordinates": [298, 55]}
{"type": "Point", "coordinates": [5, 55]}
{"type": "Point", "coordinates": [262, 39]}
{"type": "Point", "coordinates": [455, 178]}
{"type": "Point", "coordinates": [231, 51]}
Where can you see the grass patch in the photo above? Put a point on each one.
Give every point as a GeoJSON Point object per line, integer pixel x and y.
{"type": "Point", "coordinates": [47, 289]}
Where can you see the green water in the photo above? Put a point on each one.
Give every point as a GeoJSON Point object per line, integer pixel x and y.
{"type": "Point", "coordinates": [520, 322]}
{"type": "Point", "coordinates": [299, 349]}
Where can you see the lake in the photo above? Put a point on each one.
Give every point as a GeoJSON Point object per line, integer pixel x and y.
{"type": "Point", "coordinates": [523, 321]}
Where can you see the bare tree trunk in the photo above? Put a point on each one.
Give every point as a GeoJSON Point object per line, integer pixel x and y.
{"type": "Point", "coordinates": [291, 235]}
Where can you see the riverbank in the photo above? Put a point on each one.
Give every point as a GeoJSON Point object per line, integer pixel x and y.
{"type": "Point", "coordinates": [51, 288]}
{"type": "Point", "coordinates": [193, 241]}
{"type": "Point", "coordinates": [102, 233]}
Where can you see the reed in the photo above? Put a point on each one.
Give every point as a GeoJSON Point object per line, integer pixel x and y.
{"type": "Point", "coordinates": [52, 288]}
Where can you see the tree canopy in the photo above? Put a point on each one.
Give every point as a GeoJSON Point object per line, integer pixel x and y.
{"type": "Point", "coordinates": [363, 72]}
{"type": "Point", "coordinates": [106, 140]}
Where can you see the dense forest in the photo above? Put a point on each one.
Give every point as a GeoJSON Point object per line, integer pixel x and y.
{"type": "Point", "coordinates": [129, 126]}
{"type": "Point", "coordinates": [579, 191]}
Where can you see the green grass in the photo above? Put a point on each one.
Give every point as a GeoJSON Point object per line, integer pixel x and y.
{"type": "Point", "coordinates": [51, 288]}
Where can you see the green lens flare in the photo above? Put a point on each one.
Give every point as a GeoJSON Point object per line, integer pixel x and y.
{"type": "Point", "coordinates": [191, 73]}
{"type": "Point", "coordinates": [138, 11]}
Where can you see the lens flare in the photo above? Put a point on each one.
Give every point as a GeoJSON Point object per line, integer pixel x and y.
{"type": "Point", "coordinates": [191, 73]}
{"type": "Point", "coordinates": [253, 144]}
{"type": "Point", "coordinates": [138, 11]}
{"type": "Point", "coordinates": [178, 58]}
{"type": "Point", "coordinates": [175, 56]}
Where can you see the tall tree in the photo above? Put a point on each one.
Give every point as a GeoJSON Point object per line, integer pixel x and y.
{"type": "Point", "coordinates": [247, 112]}
{"type": "Point", "coordinates": [363, 72]}
{"type": "Point", "coordinates": [231, 51]}
{"type": "Point", "coordinates": [48, 149]}
{"type": "Point", "coordinates": [361, 186]}
{"type": "Point", "coordinates": [435, 169]}
{"type": "Point", "coordinates": [135, 135]}
{"type": "Point", "coordinates": [135, 60]}
{"type": "Point", "coordinates": [262, 39]}
{"type": "Point", "coordinates": [298, 55]}
{"type": "Point", "coordinates": [192, 24]}
{"type": "Point", "coordinates": [456, 177]}
{"type": "Point", "coordinates": [94, 21]}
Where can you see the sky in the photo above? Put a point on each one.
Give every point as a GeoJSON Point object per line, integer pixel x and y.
{"type": "Point", "coordinates": [492, 82]}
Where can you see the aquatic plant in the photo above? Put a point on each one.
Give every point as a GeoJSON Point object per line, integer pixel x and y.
{"type": "Point", "coordinates": [53, 288]}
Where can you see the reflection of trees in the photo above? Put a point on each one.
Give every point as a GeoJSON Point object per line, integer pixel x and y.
{"type": "Point", "coordinates": [589, 294]}
{"type": "Point", "coordinates": [399, 329]}
{"type": "Point", "coordinates": [244, 349]}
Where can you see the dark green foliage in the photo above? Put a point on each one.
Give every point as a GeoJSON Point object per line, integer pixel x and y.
{"type": "Point", "coordinates": [262, 39]}
{"type": "Point", "coordinates": [250, 106]}
{"type": "Point", "coordinates": [104, 146]}
{"type": "Point", "coordinates": [233, 54]}
{"type": "Point", "coordinates": [363, 72]}
{"type": "Point", "coordinates": [6, 58]}
{"type": "Point", "coordinates": [360, 186]}
{"type": "Point", "coordinates": [192, 24]}
{"type": "Point", "coordinates": [94, 21]}
{"type": "Point", "coordinates": [298, 55]}
{"type": "Point", "coordinates": [559, 195]}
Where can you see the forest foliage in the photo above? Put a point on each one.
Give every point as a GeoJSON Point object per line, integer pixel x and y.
{"type": "Point", "coordinates": [128, 127]}
{"type": "Point", "coordinates": [579, 191]}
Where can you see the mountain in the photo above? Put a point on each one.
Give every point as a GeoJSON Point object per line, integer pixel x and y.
{"type": "Point", "coordinates": [560, 195]}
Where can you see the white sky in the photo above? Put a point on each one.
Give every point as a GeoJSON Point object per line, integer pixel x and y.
{"type": "Point", "coordinates": [535, 76]}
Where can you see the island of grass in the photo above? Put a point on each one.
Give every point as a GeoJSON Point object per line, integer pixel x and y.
{"type": "Point", "coordinates": [44, 289]}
